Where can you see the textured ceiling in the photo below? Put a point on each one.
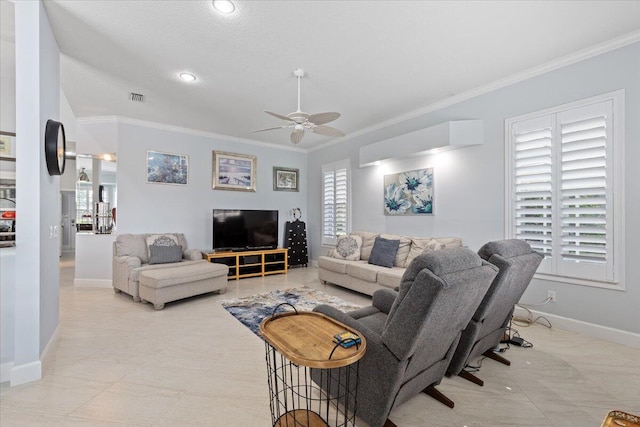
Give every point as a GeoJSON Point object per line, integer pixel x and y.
{"type": "Point", "coordinates": [372, 61]}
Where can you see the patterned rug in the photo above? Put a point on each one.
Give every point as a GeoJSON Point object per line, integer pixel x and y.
{"type": "Point", "coordinates": [253, 309]}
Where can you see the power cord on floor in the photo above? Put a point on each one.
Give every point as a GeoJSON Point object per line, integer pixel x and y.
{"type": "Point", "coordinates": [513, 337]}
{"type": "Point", "coordinates": [529, 319]}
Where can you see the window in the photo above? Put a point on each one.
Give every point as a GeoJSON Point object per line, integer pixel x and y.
{"type": "Point", "coordinates": [564, 188]}
{"type": "Point", "coordinates": [335, 201]}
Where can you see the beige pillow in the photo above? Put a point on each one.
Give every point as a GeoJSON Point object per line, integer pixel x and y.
{"type": "Point", "coordinates": [368, 239]}
{"type": "Point", "coordinates": [348, 248]}
{"type": "Point", "coordinates": [160, 240]}
{"type": "Point", "coordinates": [417, 247]}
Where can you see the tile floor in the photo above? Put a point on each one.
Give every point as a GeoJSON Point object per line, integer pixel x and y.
{"type": "Point", "coordinates": [120, 363]}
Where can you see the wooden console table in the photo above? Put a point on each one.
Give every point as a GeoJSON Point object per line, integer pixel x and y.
{"type": "Point", "coordinates": [312, 381]}
{"type": "Point", "coordinates": [251, 263]}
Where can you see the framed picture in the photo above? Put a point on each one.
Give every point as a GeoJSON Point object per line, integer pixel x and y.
{"type": "Point", "coordinates": [285, 179]}
{"type": "Point", "coordinates": [167, 168]}
{"type": "Point", "coordinates": [409, 193]}
{"type": "Point", "coordinates": [233, 171]}
{"type": "Point", "coordinates": [7, 146]}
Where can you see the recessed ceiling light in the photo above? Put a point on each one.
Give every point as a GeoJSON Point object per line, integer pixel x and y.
{"type": "Point", "coordinates": [224, 6]}
{"type": "Point", "coordinates": [187, 77]}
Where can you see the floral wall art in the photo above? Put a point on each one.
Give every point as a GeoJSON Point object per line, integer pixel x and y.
{"type": "Point", "coordinates": [409, 193]}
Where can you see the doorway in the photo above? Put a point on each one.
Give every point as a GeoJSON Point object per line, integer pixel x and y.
{"type": "Point", "coordinates": [68, 221]}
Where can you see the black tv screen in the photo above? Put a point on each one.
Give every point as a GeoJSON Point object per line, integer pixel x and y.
{"type": "Point", "coordinates": [243, 229]}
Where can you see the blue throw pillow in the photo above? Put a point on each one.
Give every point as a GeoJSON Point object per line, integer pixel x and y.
{"type": "Point", "coordinates": [165, 254]}
{"type": "Point", "coordinates": [384, 252]}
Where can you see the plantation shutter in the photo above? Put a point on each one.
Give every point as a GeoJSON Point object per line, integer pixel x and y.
{"type": "Point", "coordinates": [561, 184]}
{"type": "Point", "coordinates": [533, 198]}
{"type": "Point", "coordinates": [335, 202]}
{"type": "Point", "coordinates": [585, 190]}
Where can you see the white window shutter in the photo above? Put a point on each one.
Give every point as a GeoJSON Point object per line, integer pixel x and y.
{"type": "Point", "coordinates": [564, 188]}
{"type": "Point", "coordinates": [533, 185]}
{"type": "Point", "coordinates": [335, 201]}
{"type": "Point", "coordinates": [585, 190]}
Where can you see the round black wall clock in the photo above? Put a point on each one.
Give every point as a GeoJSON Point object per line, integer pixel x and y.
{"type": "Point", "coordinates": [55, 147]}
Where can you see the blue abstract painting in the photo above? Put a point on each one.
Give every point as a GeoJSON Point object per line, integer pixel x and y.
{"type": "Point", "coordinates": [409, 193]}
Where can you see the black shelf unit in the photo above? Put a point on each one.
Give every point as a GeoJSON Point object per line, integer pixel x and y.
{"type": "Point", "coordinates": [295, 240]}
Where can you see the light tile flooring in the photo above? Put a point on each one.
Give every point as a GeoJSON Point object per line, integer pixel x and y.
{"type": "Point", "coordinates": [120, 363]}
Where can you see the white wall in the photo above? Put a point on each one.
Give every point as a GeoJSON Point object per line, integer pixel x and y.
{"type": "Point", "coordinates": [37, 100]}
{"type": "Point", "coordinates": [469, 183]}
{"type": "Point", "coordinates": [188, 209]}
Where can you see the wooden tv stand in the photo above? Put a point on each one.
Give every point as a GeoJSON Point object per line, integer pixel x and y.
{"type": "Point", "coordinates": [251, 263]}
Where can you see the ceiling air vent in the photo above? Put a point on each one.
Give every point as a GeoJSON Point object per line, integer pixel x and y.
{"type": "Point", "coordinates": [136, 97]}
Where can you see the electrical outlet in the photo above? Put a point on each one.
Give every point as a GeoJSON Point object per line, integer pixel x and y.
{"type": "Point", "coordinates": [551, 295]}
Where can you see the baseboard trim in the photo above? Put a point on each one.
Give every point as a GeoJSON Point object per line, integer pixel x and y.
{"type": "Point", "coordinates": [92, 283]}
{"type": "Point", "coordinates": [5, 371]}
{"type": "Point", "coordinates": [314, 263]}
{"type": "Point", "coordinates": [45, 353]}
{"type": "Point", "coordinates": [26, 373]}
{"type": "Point", "coordinates": [619, 336]}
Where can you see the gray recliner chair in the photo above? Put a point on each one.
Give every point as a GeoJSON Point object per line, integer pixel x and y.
{"type": "Point", "coordinates": [412, 334]}
{"type": "Point", "coordinates": [517, 263]}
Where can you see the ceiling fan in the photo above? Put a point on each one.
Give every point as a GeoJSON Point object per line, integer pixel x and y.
{"type": "Point", "coordinates": [300, 121]}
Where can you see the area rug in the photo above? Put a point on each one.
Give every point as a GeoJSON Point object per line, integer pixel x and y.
{"type": "Point", "coordinates": [253, 309]}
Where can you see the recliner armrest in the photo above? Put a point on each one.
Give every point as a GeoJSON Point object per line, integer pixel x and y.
{"type": "Point", "coordinates": [338, 315]}
{"type": "Point", "coordinates": [383, 299]}
{"type": "Point", "coordinates": [377, 352]}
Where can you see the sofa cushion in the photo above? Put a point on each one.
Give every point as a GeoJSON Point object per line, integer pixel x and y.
{"type": "Point", "coordinates": [420, 245]}
{"type": "Point", "coordinates": [362, 270]}
{"type": "Point", "coordinates": [368, 238]}
{"type": "Point", "coordinates": [192, 272]}
{"type": "Point", "coordinates": [403, 248]}
{"type": "Point", "coordinates": [384, 252]}
{"type": "Point", "coordinates": [165, 254]}
{"type": "Point", "coordinates": [333, 264]}
{"type": "Point", "coordinates": [132, 245]}
{"type": "Point", "coordinates": [134, 273]}
{"type": "Point", "coordinates": [390, 277]}
{"type": "Point", "coordinates": [348, 248]}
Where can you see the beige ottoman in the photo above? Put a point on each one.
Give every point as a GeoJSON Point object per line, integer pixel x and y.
{"type": "Point", "coordinates": [171, 284]}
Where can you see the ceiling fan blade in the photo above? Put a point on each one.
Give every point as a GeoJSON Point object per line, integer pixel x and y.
{"type": "Point", "coordinates": [326, 131]}
{"type": "Point", "coordinates": [280, 116]}
{"type": "Point", "coordinates": [296, 136]}
{"type": "Point", "coordinates": [322, 118]}
{"type": "Point", "coordinates": [262, 130]}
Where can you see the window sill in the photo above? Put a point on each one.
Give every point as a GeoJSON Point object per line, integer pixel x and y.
{"type": "Point", "coordinates": [615, 286]}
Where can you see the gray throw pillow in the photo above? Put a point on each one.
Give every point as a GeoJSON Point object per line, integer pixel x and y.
{"type": "Point", "coordinates": [165, 254]}
{"type": "Point", "coordinates": [384, 252]}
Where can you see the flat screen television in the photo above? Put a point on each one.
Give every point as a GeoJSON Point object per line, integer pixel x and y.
{"type": "Point", "coordinates": [244, 229]}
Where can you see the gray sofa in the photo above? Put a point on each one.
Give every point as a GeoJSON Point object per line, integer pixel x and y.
{"type": "Point", "coordinates": [163, 282]}
{"type": "Point", "coordinates": [367, 278]}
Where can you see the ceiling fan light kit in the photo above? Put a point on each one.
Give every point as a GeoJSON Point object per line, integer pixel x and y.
{"type": "Point", "coordinates": [300, 121]}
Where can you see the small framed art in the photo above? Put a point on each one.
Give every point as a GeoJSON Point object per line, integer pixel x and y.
{"type": "Point", "coordinates": [285, 179]}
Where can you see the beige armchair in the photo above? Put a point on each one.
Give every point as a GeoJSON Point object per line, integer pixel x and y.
{"type": "Point", "coordinates": [131, 257]}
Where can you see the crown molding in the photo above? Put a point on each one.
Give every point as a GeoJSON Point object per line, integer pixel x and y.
{"type": "Point", "coordinates": [599, 49]}
{"type": "Point", "coordinates": [183, 130]}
